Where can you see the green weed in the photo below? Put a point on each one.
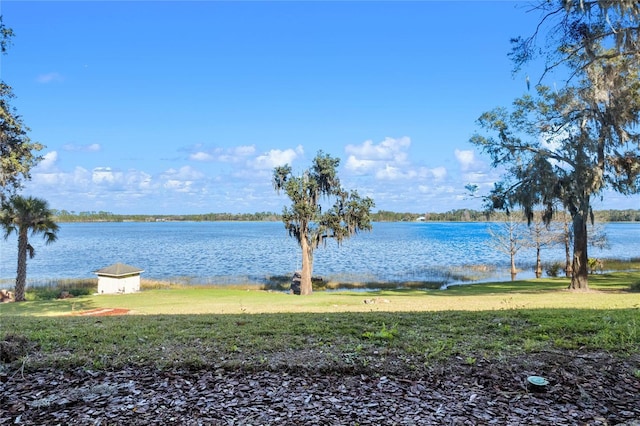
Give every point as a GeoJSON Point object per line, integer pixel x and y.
{"type": "Point", "coordinates": [383, 334]}
{"type": "Point", "coordinates": [469, 360]}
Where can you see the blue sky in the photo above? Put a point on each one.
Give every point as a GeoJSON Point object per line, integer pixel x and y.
{"type": "Point", "coordinates": [186, 107]}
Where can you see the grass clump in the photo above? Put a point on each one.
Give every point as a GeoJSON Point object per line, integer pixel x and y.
{"type": "Point", "coordinates": [383, 334]}
{"type": "Point", "coordinates": [15, 346]}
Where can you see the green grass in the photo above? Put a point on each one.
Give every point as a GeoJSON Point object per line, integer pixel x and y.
{"type": "Point", "coordinates": [395, 331]}
{"type": "Point", "coordinates": [334, 340]}
{"type": "Point", "coordinates": [608, 291]}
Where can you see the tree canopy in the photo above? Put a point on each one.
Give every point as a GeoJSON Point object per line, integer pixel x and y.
{"type": "Point", "coordinates": [17, 151]}
{"type": "Point", "coordinates": [570, 33]}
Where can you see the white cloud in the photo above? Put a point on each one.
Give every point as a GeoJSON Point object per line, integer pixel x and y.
{"type": "Point", "coordinates": [360, 166]}
{"type": "Point", "coordinates": [439, 173]}
{"type": "Point", "coordinates": [52, 77]}
{"type": "Point", "coordinates": [183, 173]}
{"type": "Point", "coordinates": [475, 171]}
{"type": "Point", "coordinates": [48, 162]}
{"type": "Point", "coordinates": [389, 149]}
{"type": "Point", "coordinates": [47, 179]}
{"type": "Point", "coordinates": [178, 185]}
{"type": "Point", "coordinates": [244, 150]}
{"type": "Point", "coordinates": [94, 147]}
{"type": "Point", "coordinates": [422, 173]}
{"type": "Point", "coordinates": [386, 160]}
{"type": "Point", "coordinates": [201, 156]}
{"type": "Point", "coordinates": [52, 181]}
{"type": "Point", "coordinates": [433, 191]}
{"type": "Point", "coordinates": [101, 175]}
{"type": "Point", "coordinates": [224, 155]}
{"type": "Point", "coordinates": [391, 173]}
{"type": "Point", "coordinates": [186, 179]}
{"type": "Point", "coordinates": [466, 158]}
{"type": "Point", "coordinates": [275, 157]}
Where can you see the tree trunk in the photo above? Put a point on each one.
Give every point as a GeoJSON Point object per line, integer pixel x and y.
{"type": "Point", "coordinates": [538, 263]}
{"type": "Point", "coordinates": [568, 270]}
{"type": "Point", "coordinates": [307, 268]}
{"type": "Point", "coordinates": [514, 271]}
{"type": "Point", "coordinates": [21, 276]}
{"type": "Point", "coordinates": [580, 277]}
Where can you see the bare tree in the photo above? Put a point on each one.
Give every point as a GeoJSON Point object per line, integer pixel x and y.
{"type": "Point", "coordinates": [508, 237]}
{"type": "Point", "coordinates": [542, 235]}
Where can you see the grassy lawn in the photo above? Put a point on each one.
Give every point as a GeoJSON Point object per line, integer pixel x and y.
{"type": "Point", "coordinates": [385, 331]}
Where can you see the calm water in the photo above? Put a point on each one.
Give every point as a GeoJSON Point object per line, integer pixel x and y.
{"type": "Point", "coordinates": [238, 252]}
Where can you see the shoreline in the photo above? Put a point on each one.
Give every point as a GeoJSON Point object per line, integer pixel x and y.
{"type": "Point", "coordinates": [489, 274]}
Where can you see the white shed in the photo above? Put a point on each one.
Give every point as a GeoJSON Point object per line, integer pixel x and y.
{"type": "Point", "coordinates": [118, 278]}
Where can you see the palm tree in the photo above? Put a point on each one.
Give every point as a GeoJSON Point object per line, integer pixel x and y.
{"type": "Point", "coordinates": [23, 215]}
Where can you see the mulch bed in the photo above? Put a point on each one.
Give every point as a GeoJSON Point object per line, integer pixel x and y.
{"type": "Point", "coordinates": [584, 389]}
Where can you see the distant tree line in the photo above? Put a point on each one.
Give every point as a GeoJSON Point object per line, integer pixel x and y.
{"type": "Point", "coordinates": [458, 215]}
{"type": "Point", "coordinates": [102, 216]}
{"type": "Point", "coordinates": [627, 215]}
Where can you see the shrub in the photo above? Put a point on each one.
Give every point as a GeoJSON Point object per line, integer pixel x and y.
{"type": "Point", "coordinates": [554, 269]}
{"type": "Point", "coordinates": [635, 287]}
{"type": "Point", "coordinates": [54, 290]}
{"type": "Point", "coordinates": [595, 265]}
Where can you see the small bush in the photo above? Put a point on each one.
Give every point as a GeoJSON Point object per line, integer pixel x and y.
{"type": "Point", "coordinates": [55, 290]}
{"type": "Point", "coordinates": [278, 283]}
{"type": "Point", "coordinates": [595, 265]}
{"type": "Point", "coordinates": [635, 287]}
{"type": "Point", "coordinates": [554, 269]}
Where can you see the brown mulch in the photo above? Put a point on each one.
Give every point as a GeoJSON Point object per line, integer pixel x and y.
{"type": "Point", "coordinates": [584, 389]}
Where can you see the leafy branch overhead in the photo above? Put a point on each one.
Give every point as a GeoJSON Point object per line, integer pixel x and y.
{"type": "Point", "coordinates": [570, 31]}
{"type": "Point", "coordinates": [17, 151]}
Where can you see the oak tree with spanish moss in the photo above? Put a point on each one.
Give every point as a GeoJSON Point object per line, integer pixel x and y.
{"type": "Point", "coordinates": [569, 144]}
{"type": "Point", "coordinates": [320, 209]}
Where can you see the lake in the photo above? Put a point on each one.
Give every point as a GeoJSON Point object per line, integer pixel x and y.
{"type": "Point", "coordinates": [250, 252]}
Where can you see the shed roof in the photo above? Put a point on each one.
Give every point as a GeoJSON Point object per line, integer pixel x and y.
{"type": "Point", "coordinates": [119, 270]}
